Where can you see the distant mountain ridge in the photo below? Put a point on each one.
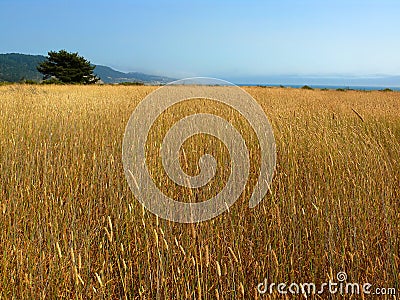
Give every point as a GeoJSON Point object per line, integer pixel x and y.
{"type": "Point", "coordinates": [109, 75]}
{"type": "Point", "coordinates": [15, 67]}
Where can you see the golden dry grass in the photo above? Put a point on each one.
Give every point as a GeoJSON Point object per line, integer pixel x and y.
{"type": "Point", "coordinates": [71, 228]}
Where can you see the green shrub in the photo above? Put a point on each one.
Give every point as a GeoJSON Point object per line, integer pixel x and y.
{"type": "Point", "coordinates": [52, 81]}
{"type": "Point", "coordinates": [131, 83]}
{"type": "Point", "coordinates": [28, 81]}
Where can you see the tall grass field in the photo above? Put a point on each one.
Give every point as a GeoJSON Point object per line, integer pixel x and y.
{"type": "Point", "coordinates": [71, 228]}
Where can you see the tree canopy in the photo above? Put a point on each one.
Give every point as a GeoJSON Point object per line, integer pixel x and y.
{"type": "Point", "coordinates": [67, 67]}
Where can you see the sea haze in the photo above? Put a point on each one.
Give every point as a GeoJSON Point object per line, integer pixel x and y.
{"type": "Point", "coordinates": [372, 82]}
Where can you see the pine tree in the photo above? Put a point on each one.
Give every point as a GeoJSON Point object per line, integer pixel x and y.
{"type": "Point", "coordinates": [67, 67]}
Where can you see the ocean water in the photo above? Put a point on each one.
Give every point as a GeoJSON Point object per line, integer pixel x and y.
{"type": "Point", "coordinates": [330, 87]}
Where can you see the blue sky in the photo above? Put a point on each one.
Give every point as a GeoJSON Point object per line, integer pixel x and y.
{"type": "Point", "coordinates": [224, 39]}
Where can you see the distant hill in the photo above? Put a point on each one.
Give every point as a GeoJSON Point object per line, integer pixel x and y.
{"type": "Point", "coordinates": [15, 67]}
{"type": "Point", "coordinates": [109, 75]}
